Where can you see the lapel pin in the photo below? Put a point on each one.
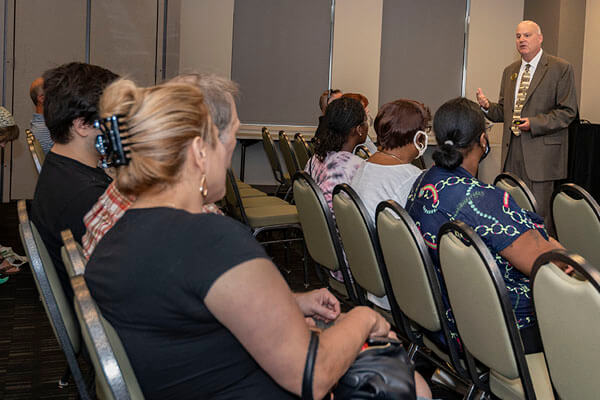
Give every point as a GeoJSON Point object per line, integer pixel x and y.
{"type": "Point", "coordinates": [513, 76]}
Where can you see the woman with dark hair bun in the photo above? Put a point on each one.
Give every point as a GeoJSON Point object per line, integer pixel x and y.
{"type": "Point", "coordinates": [343, 126]}
{"type": "Point", "coordinates": [451, 191]}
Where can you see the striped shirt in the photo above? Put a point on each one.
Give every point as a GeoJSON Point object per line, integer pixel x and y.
{"type": "Point", "coordinates": [41, 132]}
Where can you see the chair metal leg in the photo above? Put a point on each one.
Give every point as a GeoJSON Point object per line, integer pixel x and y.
{"type": "Point", "coordinates": [305, 259]}
{"type": "Point", "coordinates": [288, 193]}
{"type": "Point", "coordinates": [63, 382]}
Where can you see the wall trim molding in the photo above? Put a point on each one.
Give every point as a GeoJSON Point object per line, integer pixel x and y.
{"type": "Point", "coordinates": [254, 131]}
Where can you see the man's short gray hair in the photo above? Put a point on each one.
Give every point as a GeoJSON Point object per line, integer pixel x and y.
{"type": "Point", "coordinates": [218, 94]}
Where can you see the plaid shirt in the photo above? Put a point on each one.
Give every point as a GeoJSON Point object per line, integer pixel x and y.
{"type": "Point", "coordinates": [106, 212]}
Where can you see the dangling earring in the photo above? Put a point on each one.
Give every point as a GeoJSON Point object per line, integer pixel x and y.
{"type": "Point", "coordinates": [203, 186]}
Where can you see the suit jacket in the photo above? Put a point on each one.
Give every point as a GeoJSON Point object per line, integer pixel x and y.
{"type": "Point", "coordinates": [550, 105]}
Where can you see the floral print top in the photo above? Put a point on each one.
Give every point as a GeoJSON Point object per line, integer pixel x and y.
{"type": "Point", "coordinates": [338, 167]}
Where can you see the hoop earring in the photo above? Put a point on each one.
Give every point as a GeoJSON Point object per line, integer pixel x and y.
{"type": "Point", "coordinates": [203, 187]}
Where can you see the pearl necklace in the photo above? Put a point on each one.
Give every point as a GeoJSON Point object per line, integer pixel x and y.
{"type": "Point", "coordinates": [392, 155]}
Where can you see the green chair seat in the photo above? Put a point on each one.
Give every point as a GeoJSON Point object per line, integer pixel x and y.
{"type": "Point", "coordinates": [272, 215]}
{"type": "Point", "coordinates": [250, 192]}
{"type": "Point", "coordinates": [263, 201]}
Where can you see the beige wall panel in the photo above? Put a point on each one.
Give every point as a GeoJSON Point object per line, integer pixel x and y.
{"type": "Point", "coordinates": [2, 29]}
{"type": "Point", "coordinates": [590, 84]}
{"type": "Point", "coordinates": [47, 34]}
{"type": "Point", "coordinates": [123, 37]}
{"type": "Point", "coordinates": [491, 48]}
{"type": "Point", "coordinates": [571, 36]}
{"type": "Point", "coordinates": [357, 48]}
{"type": "Point", "coordinates": [206, 36]}
{"type": "Point", "coordinates": [173, 36]}
{"type": "Point", "coordinates": [6, 89]}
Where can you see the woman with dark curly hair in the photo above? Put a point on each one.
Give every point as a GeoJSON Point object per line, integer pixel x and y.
{"type": "Point", "coordinates": [343, 126]}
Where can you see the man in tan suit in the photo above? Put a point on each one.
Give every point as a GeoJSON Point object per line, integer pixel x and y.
{"type": "Point", "coordinates": [536, 115]}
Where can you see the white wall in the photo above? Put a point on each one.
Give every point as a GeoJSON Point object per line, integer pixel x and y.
{"type": "Point", "coordinates": [491, 48]}
{"type": "Point", "coordinates": [590, 84]}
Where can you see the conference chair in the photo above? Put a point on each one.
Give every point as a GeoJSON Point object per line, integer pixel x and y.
{"type": "Point", "coordinates": [359, 240]}
{"type": "Point", "coordinates": [517, 189]}
{"type": "Point", "coordinates": [568, 311]}
{"type": "Point", "coordinates": [280, 177]}
{"type": "Point", "coordinates": [416, 288]}
{"type": "Point", "coordinates": [249, 197]}
{"type": "Point", "coordinates": [57, 306]}
{"type": "Point", "coordinates": [576, 217]}
{"type": "Point", "coordinates": [320, 235]}
{"type": "Point", "coordinates": [35, 148]}
{"type": "Point", "coordinates": [362, 151]}
{"type": "Point", "coordinates": [302, 150]}
{"type": "Point", "coordinates": [484, 316]}
{"type": "Point", "coordinates": [291, 162]}
{"type": "Point", "coordinates": [72, 254]}
{"type": "Point", "coordinates": [270, 217]}
{"type": "Point", "coordinates": [115, 378]}
{"type": "Point", "coordinates": [114, 375]}
{"type": "Point", "coordinates": [419, 163]}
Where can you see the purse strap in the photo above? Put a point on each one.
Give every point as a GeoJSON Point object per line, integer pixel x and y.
{"type": "Point", "coordinates": [311, 356]}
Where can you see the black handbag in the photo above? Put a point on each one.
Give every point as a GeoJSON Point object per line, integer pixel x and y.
{"type": "Point", "coordinates": [380, 372]}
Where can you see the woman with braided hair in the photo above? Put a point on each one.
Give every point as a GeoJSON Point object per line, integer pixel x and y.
{"type": "Point", "coordinates": [343, 126]}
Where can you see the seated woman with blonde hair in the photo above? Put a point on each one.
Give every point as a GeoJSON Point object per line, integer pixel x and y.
{"type": "Point", "coordinates": [200, 308]}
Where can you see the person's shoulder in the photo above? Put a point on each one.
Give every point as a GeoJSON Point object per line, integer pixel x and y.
{"type": "Point", "coordinates": [557, 62]}
{"type": "Point", "coordinates": [216, 224]}
{"type": "Point", "coordinates": [512, 67]}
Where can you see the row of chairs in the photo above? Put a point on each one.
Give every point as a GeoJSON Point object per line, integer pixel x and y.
{"type": "Point", "coordinates": [389, 257]}
{"type": "Point", "coordinates": [264, 213]}
{"type": "Point", "coordinates": [295, 153]}
{"type": "Point", "coordinates": [576, 214]}
{"type": "Point", "coordinates": [114, 376]}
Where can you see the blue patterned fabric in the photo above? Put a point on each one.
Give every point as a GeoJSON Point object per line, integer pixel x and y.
{"type": "Point", "coordinates": [442, 195]}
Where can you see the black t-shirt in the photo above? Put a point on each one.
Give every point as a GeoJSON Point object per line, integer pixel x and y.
{"type": "Point", "coordinates": [149, 275]}
{"type": "Point", "coordinates": [66, 190]}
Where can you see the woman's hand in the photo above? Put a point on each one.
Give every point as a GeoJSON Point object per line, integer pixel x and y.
{"type": "Point", "coordinates": [381, 328]}
{"type": "Point", "coordinates": [319, 304]}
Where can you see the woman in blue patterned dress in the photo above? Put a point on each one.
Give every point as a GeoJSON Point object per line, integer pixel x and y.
{"type": "Point", "coordinates": [450, 191]}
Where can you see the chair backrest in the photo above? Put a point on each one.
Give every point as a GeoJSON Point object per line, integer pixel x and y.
{"type": "Point", "coordinates": [57, 306]}
{"type": "Point", "coordinates": [419, 163]}
{"type": "Point", "coordinates": [234, 198]}
{"type": "Point", "coordinates": [359, 240]}
{"type": "Point", "coordinates": [114, 374]}
{"type": "Point", "coordinates": [72, 254]}
{"type": "Point", "coordinates": [412, 275]}
{"type": "Point", "coordinates": [576, 218]}
{"type": "Point", "coordinates": [35, 148]}
{"type": "Point", "coordinates": [272, 156]}
{"type": "Point", "coordinates": [480, 303]}
{"type": "Point", "coordinates": [362, 151]}
{"type": "Point", "coordinates": [318, 226]}
{"type": "Point", "coordinates": [568, 312]}
{"type": "Point", "coordinates": [289, 157]}
{"type": "Point", "coordinates": [517, 189]}
{"type": "Point", "coordinates": [302, 150]}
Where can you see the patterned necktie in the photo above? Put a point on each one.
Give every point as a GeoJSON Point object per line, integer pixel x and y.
{"type": "Point", "coordinates": [521, 94]}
